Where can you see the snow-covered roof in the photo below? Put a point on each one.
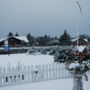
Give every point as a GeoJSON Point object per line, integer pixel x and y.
{"type": "Point", "coordinates": [86, 40]}
{"type": "Point", "coordinates": [2, 39]}
{"type": "Point", "coordinates": [22, 38]}
{"type": "Point", "coordinates": [53, 41]}
{"type": "Point", "coordinates": [75, 39]}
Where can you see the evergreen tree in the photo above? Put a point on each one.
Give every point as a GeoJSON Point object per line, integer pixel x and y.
{"type": "Point", "coordinates": [31, 39]}
{"type": "Point", "coordinates": [40, 41]}
{"type": "Point", "coordinates": [43, 40]}
{"type": "Point", "coordinates": [16, 34]}
{"type": "Point", "coordinates": [10, 34]}
{"type": "Point", "coordinates": [46, 39]}
{"type": "Point", "coordinates": [65, 39]}
{"type": "Point", "coordinates": [76, 62]}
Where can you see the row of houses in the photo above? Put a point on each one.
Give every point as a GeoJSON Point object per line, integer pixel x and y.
{"type": "Point", "coordinates": [19, 41]}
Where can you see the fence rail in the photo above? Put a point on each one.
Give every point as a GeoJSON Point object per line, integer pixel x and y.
{"type": "Point", "coordinates": [26, 74]}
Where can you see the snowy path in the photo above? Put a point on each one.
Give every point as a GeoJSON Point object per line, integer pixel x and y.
{"type": "Point", "coordinates": [62, 84]}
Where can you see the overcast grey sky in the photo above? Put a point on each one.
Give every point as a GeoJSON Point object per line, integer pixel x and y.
{"type": "Point", "coordinates": [41, 17]}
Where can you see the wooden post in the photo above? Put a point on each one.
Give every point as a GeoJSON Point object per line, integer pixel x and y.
{"type": "Point", "coordinates": [77, 83]}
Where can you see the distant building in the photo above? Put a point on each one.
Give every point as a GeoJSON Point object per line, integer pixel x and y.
{"type": "Point", "coordinates": [14, 41]}
{"type": "Point", "coordinates": [54, 42]}
{"type": "Point", "coordinates": [2, 41]}
{"type": "Point", "coordinates": [80, 41]}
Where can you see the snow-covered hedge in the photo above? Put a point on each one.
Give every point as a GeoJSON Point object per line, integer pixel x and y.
{"type": "Point", "coordinates": [43, 50]}
{"type": "Point", "coordinates": [60, 53]}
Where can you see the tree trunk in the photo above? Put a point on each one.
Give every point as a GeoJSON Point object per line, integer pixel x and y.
{"type": "Point", "coordinates": [77, 83]}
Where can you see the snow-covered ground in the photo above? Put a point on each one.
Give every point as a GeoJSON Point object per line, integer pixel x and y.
{"type": "Point", "coordinates": [25, 59]}
{"type": "Point", "coordinates": [61, 84]}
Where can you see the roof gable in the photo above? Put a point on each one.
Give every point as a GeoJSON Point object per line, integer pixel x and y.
{"type": "Point", "coordinates": [22, 38]}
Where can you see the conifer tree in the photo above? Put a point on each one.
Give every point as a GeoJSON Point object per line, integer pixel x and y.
{"type": "Point", "coordinates": [65, 39]}
{"type": "Point", "coordinates": [10, 34]}
{"type": "Point", "coordinates": [16, 34]}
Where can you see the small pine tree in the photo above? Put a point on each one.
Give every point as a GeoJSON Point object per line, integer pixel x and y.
{"type": "Point", "coordinates": [65, 39]}
{"type": "Point", "coordinates": [10, 34]}
{"type": "Point", "coordinates": [31, 39]}
{"type": "Point", "coordinates": [16, 34]}
{"type": "Point", "coordinates": [76, 62]}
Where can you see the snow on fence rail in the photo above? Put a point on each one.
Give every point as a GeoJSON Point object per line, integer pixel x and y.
{"type": "Point", "coordinates": [26, 74]}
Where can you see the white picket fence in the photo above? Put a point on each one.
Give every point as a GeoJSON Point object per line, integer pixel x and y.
{"type": "Point", "coordinates": [26, 74]}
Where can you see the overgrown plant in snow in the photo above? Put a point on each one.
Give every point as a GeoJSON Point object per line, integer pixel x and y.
{"type": "Point", "coordinates": [77, 61]}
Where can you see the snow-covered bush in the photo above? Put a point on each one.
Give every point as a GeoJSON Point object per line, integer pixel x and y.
{"type": "Point", "coordinates": [43, 50]}
{"type": "Point", "coordinates": [77, 61]}
{"type": "Point", "coordinates": [71, 58]}
{"type": "Point", "coordinates": [62, 54]}
{"type": "Point", "coordinates": [78, 68]}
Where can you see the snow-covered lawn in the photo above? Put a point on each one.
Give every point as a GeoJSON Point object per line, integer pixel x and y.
{"type": "Point", "coordinates": [61, 84]}
{"type": "Point", "coordinates": [25, 59]}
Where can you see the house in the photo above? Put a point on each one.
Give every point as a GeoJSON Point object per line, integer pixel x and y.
{"type": "Point", "coordinates": [54, 42]}
{"type": "Point", "coordinates": [2, 41]}
{"type": "Point", "coordinates": [80, 41]}
{"type": "Point", "coordinates": [14, 41]}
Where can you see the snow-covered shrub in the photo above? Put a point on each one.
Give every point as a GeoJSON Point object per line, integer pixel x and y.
{"type": "Point", "coordinates": [77, 63]}
{"type": "Point", "coordinates": [43, 50]}
{"type": "Point", "coordinates": [68, 55]}
{"type": "Point", "coordinates": [78, 68]}
{"type": "Point", "coordinates": [62, 54]}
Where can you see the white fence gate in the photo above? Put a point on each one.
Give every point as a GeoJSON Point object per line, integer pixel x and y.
{"type": "Point", "coordinates": [26, 74]}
